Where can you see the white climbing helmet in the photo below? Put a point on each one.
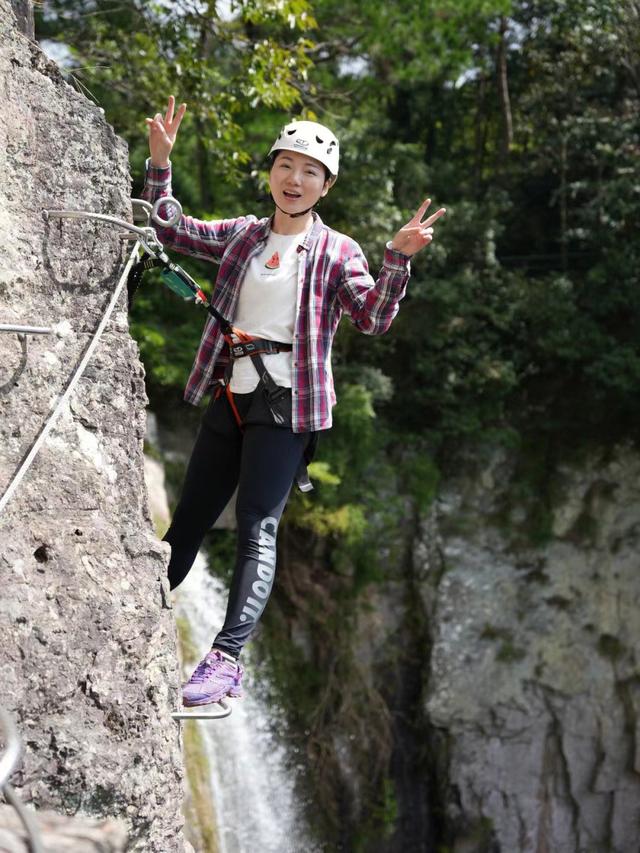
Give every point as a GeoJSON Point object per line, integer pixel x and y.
{"type": "Point", "coordinates": [312, 138]}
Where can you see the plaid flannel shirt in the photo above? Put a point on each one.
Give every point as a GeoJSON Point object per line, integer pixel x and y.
{"type": "Point", "coordinates": [333, 278]}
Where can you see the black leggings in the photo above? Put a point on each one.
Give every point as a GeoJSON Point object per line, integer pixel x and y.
{"type": "Point", "coordinates": [262, 461]}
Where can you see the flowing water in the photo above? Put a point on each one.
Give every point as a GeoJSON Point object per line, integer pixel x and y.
{"type": "Point", "coordinates": [254, 794]}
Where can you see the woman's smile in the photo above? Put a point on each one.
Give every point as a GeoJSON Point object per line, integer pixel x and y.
{"type": "Point", "coordinates": [296, 179]}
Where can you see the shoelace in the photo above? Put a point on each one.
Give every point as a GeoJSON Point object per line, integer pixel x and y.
{"type": "Point", "coordinates": [203, 669]}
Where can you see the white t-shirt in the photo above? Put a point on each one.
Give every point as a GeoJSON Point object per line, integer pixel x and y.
{"type": "Point", "coordinates": [267, 309]}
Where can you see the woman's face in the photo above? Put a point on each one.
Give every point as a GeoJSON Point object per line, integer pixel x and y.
{"type": "Point", "coordinates": [297, 181]}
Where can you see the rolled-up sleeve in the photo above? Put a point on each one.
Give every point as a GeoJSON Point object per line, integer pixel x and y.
{"type": "Point", "coordinates": [372, 305]}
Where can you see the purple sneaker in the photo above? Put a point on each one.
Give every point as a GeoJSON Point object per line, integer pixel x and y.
{"type": "Point", "coordinates": [214, 678]}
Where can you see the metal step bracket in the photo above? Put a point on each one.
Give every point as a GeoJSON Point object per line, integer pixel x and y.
{"type": "Point", "coordinates": [214, 711]}
{"type": "Point", "coordinates": [24, 331]}
{"type": "Point", "coordinates": [142, 211]}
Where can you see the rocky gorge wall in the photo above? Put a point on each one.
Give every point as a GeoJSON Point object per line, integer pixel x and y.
{"type": "Point", "coordinates": [482, 693]}
{"type": "Point", "coordinates": [88, 657]}
{"type": "Point", "coordinates": [507, 653]}
{"type": "Point", "coordinates": [534, 687]}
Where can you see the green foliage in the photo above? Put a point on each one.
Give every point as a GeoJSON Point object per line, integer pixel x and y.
{"type": "Point", "coordinates": [510, 653]}
{"type": "Point", "coordinates": [385, 813]}
{"type": "Point", "coordinates": [346, 454]}
{"type": "Point", "coordinates": [381, 821]}
{"type": "Point", "coordinates": [526, 309]}
{"type": "Point", "coordinates": [223, 63]}
{"type": "Point", "coordinates": [221, 548]}
{"type": "Point", "coordinates": [529, 312]}
{"type": "Point", "coordinates": [421, 477]}
{"type": "Point", "coordinates": [189, 653]}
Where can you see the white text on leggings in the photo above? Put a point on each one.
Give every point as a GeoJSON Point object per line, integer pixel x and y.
{"type": "Point", "coordinates": [265, 570]}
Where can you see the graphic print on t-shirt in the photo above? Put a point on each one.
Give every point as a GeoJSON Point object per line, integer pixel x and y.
{"type": "Point", "coordinates": [274, 262]}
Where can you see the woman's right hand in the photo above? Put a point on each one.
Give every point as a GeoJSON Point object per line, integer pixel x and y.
{"type": "Point", "coordinates": [162, 133]}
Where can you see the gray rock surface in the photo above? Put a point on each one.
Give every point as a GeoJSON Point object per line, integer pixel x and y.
{"type": "Point", "coordinates": [88, 658]}
{"type": "Point", "coordinates": [535, 682]}
{"type": "Point", "coordinates": [59, 834]}
{"type": "Point", "coordinates": [23, 10]}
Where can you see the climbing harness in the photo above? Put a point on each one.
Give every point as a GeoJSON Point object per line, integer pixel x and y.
{"type": "Point", "coordinates": [240, 344]}
{"type": "Point", "coordinates": [8, 763]}
{"type": "Point", "coordinates": [277, 397]}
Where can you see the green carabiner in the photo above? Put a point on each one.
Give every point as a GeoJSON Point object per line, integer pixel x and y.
{"type": "Point", "coordinates": [173, 280]}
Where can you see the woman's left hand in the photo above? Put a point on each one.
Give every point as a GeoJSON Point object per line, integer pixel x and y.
{"type": "Point", "coordinates": [415, 235]}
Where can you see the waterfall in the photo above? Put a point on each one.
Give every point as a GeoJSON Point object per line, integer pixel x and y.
{"type": "Point", "coordinates": [255, 801]}
{"type": "Point", "coordinates": [254, 794]}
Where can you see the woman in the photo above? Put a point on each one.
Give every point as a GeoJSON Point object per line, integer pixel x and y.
{"type": "Point", "coordinates": [284, 282]}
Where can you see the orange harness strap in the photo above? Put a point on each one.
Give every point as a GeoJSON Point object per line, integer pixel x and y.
{"type": "Point", "coordinates": [243, 337]}
{"type": "Point", "coordinates": [234, 408]}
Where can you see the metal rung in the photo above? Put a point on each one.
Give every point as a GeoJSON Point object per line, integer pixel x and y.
{"type": "Point", "coordinates": [27, 330]}
{"type": "Point", "coordinates": [215, 711]}
{"type": "Point", "coordinates": [146, 235]}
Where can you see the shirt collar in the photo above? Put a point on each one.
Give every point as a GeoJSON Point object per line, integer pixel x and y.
{"type": "Point", "coordinates": [312, 234]}
{"type": "Point", "coordinates": [308, 239]}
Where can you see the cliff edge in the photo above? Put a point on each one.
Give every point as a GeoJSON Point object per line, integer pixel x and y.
{"type": "Point", "coordinates": [88, 654]}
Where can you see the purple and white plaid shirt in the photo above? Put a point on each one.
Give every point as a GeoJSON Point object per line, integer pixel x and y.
{"type": "Point", "coordinates": [333, 279]}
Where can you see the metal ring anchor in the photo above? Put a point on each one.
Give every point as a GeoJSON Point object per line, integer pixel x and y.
{"type": "Point", "coordinates": [174, 218]}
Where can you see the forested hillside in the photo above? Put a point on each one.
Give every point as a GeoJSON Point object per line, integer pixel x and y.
{"type": "Point", "coordinates": [521, 117]}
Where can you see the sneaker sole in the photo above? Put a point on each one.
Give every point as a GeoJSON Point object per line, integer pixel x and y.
{"type": "Point", "coordinates": [232, 694]}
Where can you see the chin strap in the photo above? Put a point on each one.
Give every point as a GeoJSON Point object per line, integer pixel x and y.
{"type": "Point", "coordinates": [294, 215]}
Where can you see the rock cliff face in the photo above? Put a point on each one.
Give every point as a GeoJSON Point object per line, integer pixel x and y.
{"type": "Point", "coordinates": [499, 660]}
{"type": "Point", "coordinates": [534, 689]}
{"type": "Point", "coordinates": [88, 655]}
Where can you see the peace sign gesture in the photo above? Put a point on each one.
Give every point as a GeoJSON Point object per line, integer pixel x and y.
{"type": "Point", "coordinates": [415, 235]}
{"type": "Point", "coordinates": [163, 131]}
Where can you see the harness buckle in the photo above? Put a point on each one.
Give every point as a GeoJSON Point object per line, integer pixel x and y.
{"type": "Point", "coordinates": [241, 349]}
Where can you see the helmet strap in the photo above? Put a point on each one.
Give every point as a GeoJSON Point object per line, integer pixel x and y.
{"type": "Point", "coordinates": [294, 215]}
